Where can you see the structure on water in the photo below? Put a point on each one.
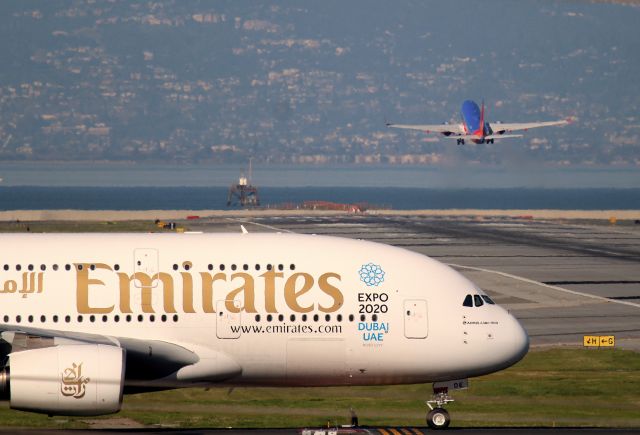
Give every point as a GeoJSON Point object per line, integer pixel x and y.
{"type": "Point", "coordinates": [243, 194]}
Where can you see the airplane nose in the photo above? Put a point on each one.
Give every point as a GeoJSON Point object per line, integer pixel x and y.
{"type": "Point", "coordinates": [507, 347]}
{"type": "Point", "coordinates": [520, 340]}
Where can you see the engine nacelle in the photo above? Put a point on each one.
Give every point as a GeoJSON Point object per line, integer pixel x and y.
{"type": "Point", "coordinates": [68, 379]}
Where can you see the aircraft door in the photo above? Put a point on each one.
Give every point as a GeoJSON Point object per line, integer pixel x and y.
{"type": "Point", "coordinates": [416, 320]}
{"type": "Point", "coordinates": [228, 323]}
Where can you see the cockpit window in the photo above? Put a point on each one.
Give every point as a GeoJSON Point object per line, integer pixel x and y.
{"type": "Point", "coordinates": [468, 301]}
{"type": "Point", "coordinates": [478, 300]}
{"type": "Point", "coordinates": [488, 300]}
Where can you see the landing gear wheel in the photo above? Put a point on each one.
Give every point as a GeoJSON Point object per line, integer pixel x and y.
{"type": "Point", "coordinates": [438, 418]}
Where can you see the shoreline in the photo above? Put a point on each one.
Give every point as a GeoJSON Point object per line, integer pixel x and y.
{"type": "Point", "coordinates": [126, 215]}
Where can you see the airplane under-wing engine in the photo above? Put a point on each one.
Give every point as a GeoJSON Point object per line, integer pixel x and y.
{"type": "Point", "coordinates": [83, 379]}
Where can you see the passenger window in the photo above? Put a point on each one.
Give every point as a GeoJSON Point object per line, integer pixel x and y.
{"type": "Point", "coordinates": [468, 301]}
{"type": "Point", "coordinates": [488, 300]}
{"type": "Point", "coordinates": [478, 300]}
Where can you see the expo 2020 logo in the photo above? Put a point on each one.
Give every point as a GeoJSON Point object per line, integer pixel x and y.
{"type": "Point", "coordinates": [371, 274]}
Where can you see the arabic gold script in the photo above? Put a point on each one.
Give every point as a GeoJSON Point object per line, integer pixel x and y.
{"type": "Point", "coordinates": [32, 282]}
{"type": "Point", "coordinates": [73, 383]}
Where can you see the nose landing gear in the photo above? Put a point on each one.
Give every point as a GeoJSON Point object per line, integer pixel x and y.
{"type": "Point", "coordinates": [438, 417]}
{"type": "Point", "coordinates": [460, 141]}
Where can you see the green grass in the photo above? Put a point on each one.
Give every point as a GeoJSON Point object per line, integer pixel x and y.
{"type": "Point", "coordinates": [558, 387]}
{"type": "Point", "coordinates": [79, 226]}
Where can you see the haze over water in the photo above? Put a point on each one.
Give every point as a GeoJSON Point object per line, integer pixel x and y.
{"type": "Point", "coordinates": [29, 186]}
{"type": "Point", "coordinates": [295, 176]}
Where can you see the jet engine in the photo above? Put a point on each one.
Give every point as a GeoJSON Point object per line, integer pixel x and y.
{"type": "Point", "coordinates": [446, 133]}
{"type": "Point", "coordinates": [82, 379]}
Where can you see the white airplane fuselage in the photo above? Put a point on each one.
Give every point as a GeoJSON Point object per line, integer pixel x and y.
{"type": "Point", "coordinates": [257, 309]}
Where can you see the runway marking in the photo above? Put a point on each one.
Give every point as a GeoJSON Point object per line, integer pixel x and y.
{"type": "Point", "coordinates": [245, 221]}
{"type": "Point", "coordinates": [591, 282]}
{"type": "Point", "coordinates": [553, 287]}
{"type": "Point", "coordinates": [400, 431]}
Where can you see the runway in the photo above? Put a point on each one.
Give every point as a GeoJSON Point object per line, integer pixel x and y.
{"type": "Point", "coordinates": [562, 278]}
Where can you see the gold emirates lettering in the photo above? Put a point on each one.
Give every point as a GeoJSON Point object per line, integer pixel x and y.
{"type": "Point", "coordinates": [215, 287]}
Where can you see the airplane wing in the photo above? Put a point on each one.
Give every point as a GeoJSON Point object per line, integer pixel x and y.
{"type": "Point", "coordinates": [145, 359]}
{"type": "Point", "coordinates": [500, 128]}
{"type": "Point", "coordinates": [446, 129]}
